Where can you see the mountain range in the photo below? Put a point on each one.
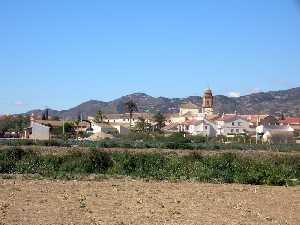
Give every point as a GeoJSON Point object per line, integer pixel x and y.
{"type": "Point", "coordinates": [285, 102]}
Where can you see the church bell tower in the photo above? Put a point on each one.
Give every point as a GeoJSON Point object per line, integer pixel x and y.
{"type": "Point", "coordinates": [208, 102]}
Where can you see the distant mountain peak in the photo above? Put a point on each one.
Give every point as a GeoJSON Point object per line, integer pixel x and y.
{"type": "Point", "coordinates": [273, 102]}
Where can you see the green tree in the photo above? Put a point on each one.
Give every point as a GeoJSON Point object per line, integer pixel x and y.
{"type": "Point", "coordinates": [65, 131]}
{"type": "Point", "coordinates": [140, 125]}
{"type": "Point", "coordinates": [99, 117]}
{"type": "Point", "coordinates": [14, 123]}
{"type": "Point", "coordinates": [131, 108]}
{"type": "Point", "coordinates": [159, 120]}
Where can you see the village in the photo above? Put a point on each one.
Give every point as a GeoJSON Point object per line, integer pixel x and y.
{"type": "Point", "coordinates": [191, 120]}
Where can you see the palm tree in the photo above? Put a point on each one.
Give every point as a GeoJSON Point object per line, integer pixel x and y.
{"type": "Point", "coordinates": [131, 108]}
{"type": "Point", "coordinates": [99, 117]}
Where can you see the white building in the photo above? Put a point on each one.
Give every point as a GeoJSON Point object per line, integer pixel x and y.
{"type": "Point", "coordinates": [233, 125]}
{"type": "Point", "coordinates": [125, 118]}
{"type": "Point", "coordinates": [275, 134]}
{"type": "Point", "coordinates": [198, 127]}
{"type": "Point", "coordinates": [109, 128]}
{"type": "Point", "coordinates": [37, 131]}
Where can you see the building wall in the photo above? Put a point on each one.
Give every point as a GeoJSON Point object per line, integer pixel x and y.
{"type": "Point", "coordinates": [121, 130]}
{"type": "Point", "coordinates": [176, 119]}
{"type": "Point", "coordinates": [40, 132]}
{"type": "Point", "coordinates": [238, 126]}
{"type": "Point", "coordinates": [201, 129]}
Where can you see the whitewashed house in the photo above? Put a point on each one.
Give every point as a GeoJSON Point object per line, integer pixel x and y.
{"type": "Point", "coordinates": [109, 128]}
{"type": "Point", "coordinates": [125, 118]}
{"type": "Point", "coordinates": [232, 125]}
{"type": "Point", "coordinates": [103, 128]}
{"type": "Point", "coordinates": [37, 131]}
{"type": "Point", "coordinates": [198, 127]}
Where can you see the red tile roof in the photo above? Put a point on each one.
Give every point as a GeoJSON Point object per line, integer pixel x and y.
{"type": "Point", "coordinates": [212, 117]}
{"type": "Point", "coordinates": [291, 120]}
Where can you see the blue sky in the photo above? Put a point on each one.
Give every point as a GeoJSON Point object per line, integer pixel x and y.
{"type": "Point", "coordinates": [60, 53]}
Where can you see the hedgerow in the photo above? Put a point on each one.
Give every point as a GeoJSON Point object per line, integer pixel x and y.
{"type": "Point", "coordinates": [217, 168]}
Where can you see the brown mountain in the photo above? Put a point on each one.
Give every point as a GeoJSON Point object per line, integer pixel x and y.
{"type": "Point", "coordinates": [273, 102]}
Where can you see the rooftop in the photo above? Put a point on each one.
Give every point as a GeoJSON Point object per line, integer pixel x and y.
{"type": "Point", "coordinates": [291, 120]}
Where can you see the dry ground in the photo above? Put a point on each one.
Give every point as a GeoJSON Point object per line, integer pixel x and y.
{"type": "Point", "coordinates": [125, 201]}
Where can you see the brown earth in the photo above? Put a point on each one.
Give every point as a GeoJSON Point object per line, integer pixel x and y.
{"type": "Point", "coordinates": [136, 202]}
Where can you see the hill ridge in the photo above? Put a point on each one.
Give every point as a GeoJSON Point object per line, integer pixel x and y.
{"type": "Point", "coordinates": [271, 102]}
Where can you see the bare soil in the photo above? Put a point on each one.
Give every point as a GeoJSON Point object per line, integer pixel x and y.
{"type": "Point", "coordinates": [136, 202]}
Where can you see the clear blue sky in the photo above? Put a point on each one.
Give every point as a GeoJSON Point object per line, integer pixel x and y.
{"type": "Point", "coordinates": [59, 53]}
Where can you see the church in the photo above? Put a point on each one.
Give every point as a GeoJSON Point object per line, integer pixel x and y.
{"type": "Point", "coordinates": [190, 111]}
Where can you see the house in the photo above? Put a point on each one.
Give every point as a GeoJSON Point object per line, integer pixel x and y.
{"type": "Point", "coordinates": [257, 120]}
{"type": "Point", "coordinates": [37, 131]}
{"type": "Point", "coordinates": [125, 118]}
{"type": "Point", "coordinates": [103, 128]}
{"type": "Point", "coordinates": [290, 121]}
{"type": "Point", "coordinates": [109, 128]}
{"type": "Point", "coordinates": [198, 127]}
{"type": "Point", "coordinates": [233, 124]}
{"type": "Point", "coordinates": [275, 134]}
{"type": "Point", "coordinates": [43, 129]}
{"type": "Point", "coordinates": [293, 122]}
{"type": "Point", "coordinates": [122, 129]}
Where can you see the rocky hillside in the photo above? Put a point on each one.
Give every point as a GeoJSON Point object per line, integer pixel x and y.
{"type": "Point", "coordinates": [274, 102]}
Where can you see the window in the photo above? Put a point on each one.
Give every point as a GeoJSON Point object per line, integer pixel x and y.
{"type": "Point", "coordinates": [205, 127]}
{"type": "Point", "coordinates": [232, 123]}
{"type": "Point", "coordinates": [232, 131]}
{"type": "Point", "coordinates": [238, 130]}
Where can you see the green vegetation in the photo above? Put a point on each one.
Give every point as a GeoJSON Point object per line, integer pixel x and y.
{"type": "Point", "coordinates": [160, 120]}
{"type": "Point", "coordinates": [217, 168]}
{"type": "Point", "coordinates": [99, 117]}
{"type": "Point", "coordinates": [131, 107]}
{"type": "Point", "coordinates": [142, 126]}
{"type": "Point", "coordinates": [13, 124]}
{"type": "Point", "coordinates": [144, 140]}
{"type": "Point", "coordinates": [64, 132]}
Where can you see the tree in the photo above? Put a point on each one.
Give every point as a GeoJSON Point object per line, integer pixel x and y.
{"type": "Point", "coordinates": [160, 120]}
{"type": "Point", "coordinates": [131, 108]}
{"type": "Point", "coordinates": [99, 117]}
{"type": "Point", "coordinates": [14, 124]}
{"type": "Point", "coordinates": [43, 116]}
{"type": "Point", "coordinates": [141, 124]}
